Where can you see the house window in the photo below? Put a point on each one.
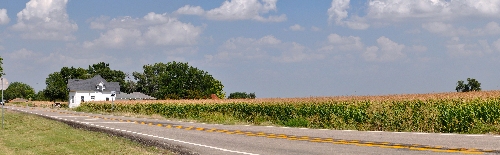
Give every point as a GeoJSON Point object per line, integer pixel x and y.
{"type": "Point", "coordinates": [92, 97]}
{"type": "Point", "coordinates": [72, 99]}
{"type": "Point", "coordinates": [83, 98]}
{"type": "Point", "coordinates": [107, 98]}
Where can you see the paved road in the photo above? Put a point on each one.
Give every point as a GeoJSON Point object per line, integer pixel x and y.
{"type": "Point", "coordinates": [201, 138]}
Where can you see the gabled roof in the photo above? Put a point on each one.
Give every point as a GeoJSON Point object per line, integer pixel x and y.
{"type": "Point", "coordinates": [90, 84]}
{"type": "Point", "coordinates": [134, 95]}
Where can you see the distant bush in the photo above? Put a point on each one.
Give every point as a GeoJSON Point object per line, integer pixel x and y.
{"type": "Point", "coordinates": [241, 95]}
{"type": "Point", "coordinates": [472, 85]}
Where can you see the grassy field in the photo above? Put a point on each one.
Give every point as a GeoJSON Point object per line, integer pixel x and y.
{"type": "Point", "coordinates": [29, 134]}
{"type": "Point", "coordinates": [472, 112]}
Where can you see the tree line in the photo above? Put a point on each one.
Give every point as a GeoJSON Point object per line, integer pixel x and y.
{"type": "Point", "coordinates": [172, 80]}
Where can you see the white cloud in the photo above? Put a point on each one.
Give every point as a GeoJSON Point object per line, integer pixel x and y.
{"type": "Point", "coordinates": [444, 29]}
{"type": "Point", "coordinates": [116, 38]}
{"type": "Point", "coordinates": [387, 50]}
{"type": "Point", "coordinates": [266, 48]}
{"type": "Point", "coordinates": [22, 54]}
{"type": "Point", "coordinates": [357, 25]}
{"type": "Point", "coordinates": [296, 27]}
{"type": "Point", "coordinates": [190, 10]}
{"type": "Point", "coordinates": [173, 33]}
{"type": "Point", "coordinates": [45, 19]}
{"type": "Point", "coordinates": [496, 44]}
{"type": "Point", "coordinates": [296, 53]}
{"type": "Point", "coordinates": [4, 19]}
{"type": "Point", "coordinates": [237, 10]}
{"type": "Point", "coordinates": [492, 28]}
{"type": "Point", "coordinates": [434, 9]}
{"type": "Point", "coordinates": [341, 43]}
{"type": "Point", "coordinates": [338, 13]}
{"type": "Point", "coordinates": [457, 48]}
{"type": "Point", "coordinates": [152, 29]}
{"type": "Point", "coordinates": [268, 40]}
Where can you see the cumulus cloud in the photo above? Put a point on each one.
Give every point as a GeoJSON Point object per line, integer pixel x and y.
{"type": "Point", "coordinates": [248, 48]}
{"type": "Point", "coordinates": [444, 29]}
{"type": "Point", "coordinates": [265, 48]}
{"type": "Point", "coordinates": [296, 27]}
{"type": "Point", "coordinates": [438, 9]}
{"type": "Point", "coordinates": [457, 48]}
{"type": "Point", "coordinates": [380, 11]}
{"type": "Point", "coordinates": [45, 19]}
{"type": "Point", "coordinates": [338, 13]}
{"type": "Point", "coordinates": [22, 54]}
{"type": "Point", "coordinates": [496, 44]}
{"type": "Point", "coordinates": [296, 53]}
{"type": "Point", "coordinates": [492, 28]}
{"type": "Point", "coordinates": [116, 38]}
{"type": "Point", "coordinates": [152, 29]}
{"type": "Point", "coordinates": [237, 10]}
{"type": "Point", "coordinates": [342, 43]}
{"type": "Point", "coordinates": [4, 19]}
{"type": "Point", "coordinates": [191, 10]}
{"type": "Point", "coordinates": [386, 51]}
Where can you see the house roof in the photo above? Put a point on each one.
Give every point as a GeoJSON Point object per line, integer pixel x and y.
{"type": "Point", "coordinates": [91, 84]}
{"type": "Point", "coordinates": [134, 95]}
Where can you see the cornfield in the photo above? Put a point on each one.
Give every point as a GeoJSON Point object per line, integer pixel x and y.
{"type": "Point", "coordinates": [473, 112]}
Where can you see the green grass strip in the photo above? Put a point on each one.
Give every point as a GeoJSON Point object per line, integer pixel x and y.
{"type": "Point", "coordinates": [29, 134]}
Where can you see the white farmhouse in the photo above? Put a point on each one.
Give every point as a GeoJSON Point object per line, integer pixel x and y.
{"type": "Point", "coordinates": [94, 89]}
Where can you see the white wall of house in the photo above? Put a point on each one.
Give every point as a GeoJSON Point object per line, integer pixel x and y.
{"type": "Point", "coordinates": [75, 97]}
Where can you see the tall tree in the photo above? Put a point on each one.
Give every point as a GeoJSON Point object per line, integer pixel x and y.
{"type": "Point", "coordinates": [129, 86]}
{"type": "Point", "coordinates": [106, 73]}
{"type": "Point", "coordinates": [56, 87]}
{"type": "Point", "coordinates": [177, 80]}
{"type": "Point", "coordinates": [19, 90]}
{"type": "Point", "coordinates": [73, 73]}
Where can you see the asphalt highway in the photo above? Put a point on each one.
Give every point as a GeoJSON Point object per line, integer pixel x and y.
{"type": "Point", "coordinates": [201, 138]}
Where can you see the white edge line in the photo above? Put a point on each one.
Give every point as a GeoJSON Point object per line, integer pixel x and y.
{"type": "Point", "coordinates": [212, 147]}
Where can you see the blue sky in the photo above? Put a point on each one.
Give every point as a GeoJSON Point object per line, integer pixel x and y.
{"type": "Point", "coordinates": [275, 48]}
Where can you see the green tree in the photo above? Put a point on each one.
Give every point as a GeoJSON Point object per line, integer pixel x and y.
{"type": "Point", "coordinates": [40, 96]}
{"type": "Point", "coordinates": [56, 83]}
{"type": "Point", "coordinates": [472, 85]}
{"type": "Point", "coordinates": [241, 95]}
{"type": "Point", "coordinates": [177, 80]}
{"type": "Point", "coordinates": [129, 86]}
{"type": "Point", "coordinates": [19, 90]}
{"type": "Point", "coordinates": [106, 73]}
{"type": "Point", "coordinates": [56, 87]}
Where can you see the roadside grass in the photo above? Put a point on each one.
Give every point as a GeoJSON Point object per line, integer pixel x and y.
{"type": "Point", "coordinates": [30, 134]}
